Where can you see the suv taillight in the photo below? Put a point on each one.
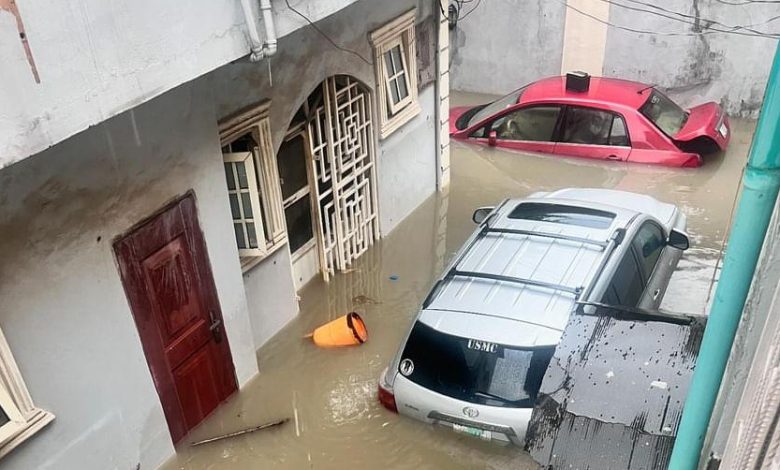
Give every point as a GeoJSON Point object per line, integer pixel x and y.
{"type": "Point", "coordinates": [387, 399]}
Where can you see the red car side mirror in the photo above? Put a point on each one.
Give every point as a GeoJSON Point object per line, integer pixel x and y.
{"type": "Point", "coordinates": [492, 136]}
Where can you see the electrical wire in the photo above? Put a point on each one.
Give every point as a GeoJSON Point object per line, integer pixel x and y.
{"type": "Point", "coordinates": [748, 2]}
{"type": "Point", "coordinates": [468, 12]}
{"type": "Point", "coordinates": [656, 33]}
{"type": "Point", "coordinates": [685, 15]}
{"type": "Point", "coordinates": [322, 33]}
{"type": "Point", "coordinates": [702, 23]}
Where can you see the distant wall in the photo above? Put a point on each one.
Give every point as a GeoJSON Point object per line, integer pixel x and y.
{"type": "Point", "coordinates": [726, 68]}
{"type": "Point", "coordinates": [506, 43]}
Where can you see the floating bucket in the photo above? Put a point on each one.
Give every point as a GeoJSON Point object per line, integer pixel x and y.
{"type": "Point", "coordinates": [348, 330]}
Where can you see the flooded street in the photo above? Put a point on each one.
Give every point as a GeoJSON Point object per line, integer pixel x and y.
{"type": "Point", "coordinates": [330, 395]}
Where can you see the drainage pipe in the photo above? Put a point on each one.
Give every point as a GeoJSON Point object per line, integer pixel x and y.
{"type": "Point", "coordinates": [756, 204]}
{"type": "Point", "coordinates": [260, 49]}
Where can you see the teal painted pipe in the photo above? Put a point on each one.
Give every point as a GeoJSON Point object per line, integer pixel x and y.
{"type": "Point", "coordinates": [756, 204]}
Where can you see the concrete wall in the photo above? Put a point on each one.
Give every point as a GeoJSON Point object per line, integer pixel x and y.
{"type": "Point", "coordinates": [505, 44]}
{"type": "Point", "coordinates": [757, 331]}
{"type": "Point", "coordinates": [694, 68]}
{"type": "Point", "coordinates": [97, 59]}
{"type": "Point", "coordinates": [64, 310]}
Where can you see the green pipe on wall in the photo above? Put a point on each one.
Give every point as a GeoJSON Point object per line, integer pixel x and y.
{"type": "Point", "coordinates": [756, 204]}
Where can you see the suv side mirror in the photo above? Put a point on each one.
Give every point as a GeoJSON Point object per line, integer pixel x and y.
{"type": "Point", "coordinates": [678, 240]}
{"type": "Point", "coordinates": [481, 214]}
{"type": "Point", "coordinates": [492, 137]}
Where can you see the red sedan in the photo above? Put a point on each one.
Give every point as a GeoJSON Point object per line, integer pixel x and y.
{"type": "Point", "coordinates": [599, 118]}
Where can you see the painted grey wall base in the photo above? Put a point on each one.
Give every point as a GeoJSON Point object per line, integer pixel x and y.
{"type": "Point", "coordinates": [64, 310]}
{"type": "Point", "coordinates": [505, 44]}
{"type": "Point", "coordinates": [270, 295]}
{"type": "Point", "coordinates": [407, 165]}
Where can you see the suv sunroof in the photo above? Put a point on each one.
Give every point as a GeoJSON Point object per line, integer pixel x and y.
{"type": "Point", "coordinates": [561, 214]}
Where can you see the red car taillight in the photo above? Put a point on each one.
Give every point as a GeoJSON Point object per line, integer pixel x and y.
{"type": "Point", "coordinates": [387, 399]}
{"type": "Point", "coordinates": [694, 161]}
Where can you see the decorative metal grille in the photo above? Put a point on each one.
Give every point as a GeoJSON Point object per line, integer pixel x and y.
{"type": "Point", "coordinates": [342, 146]}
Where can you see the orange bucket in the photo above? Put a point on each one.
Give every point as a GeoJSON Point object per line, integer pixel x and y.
{"type": "Point", "coordinates": [348, 330]}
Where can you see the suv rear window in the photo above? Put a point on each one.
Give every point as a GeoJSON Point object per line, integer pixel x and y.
{"type": "Point", "coordinates": [473, 370]}
{"type": "Point", "coordinates": [561, 214]}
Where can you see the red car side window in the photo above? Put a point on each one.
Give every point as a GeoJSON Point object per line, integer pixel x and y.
{"type": "Point", "coordinates": [594, 127]}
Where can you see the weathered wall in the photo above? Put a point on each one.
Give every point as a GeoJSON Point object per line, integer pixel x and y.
{"type": "Point", "coordinates": [64, 310]}
{"type": "Point", "coordinates": [97, 59]}
{"type": "Point", "coordinates": [270, 295]}
{"type": "Point", "coordinates": [757, 330]}
{"type": "Point", "coordinates": [407, 165]}
{"type": "Point", "coordinates": [727, 68]}
{"type": "Point", "coordinates": [406, 159]}
{"type": "Point", "coordinates": [505, 44]}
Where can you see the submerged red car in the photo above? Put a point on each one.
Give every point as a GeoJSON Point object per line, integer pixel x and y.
{"type": "Point", "coordinates": [593, 117]}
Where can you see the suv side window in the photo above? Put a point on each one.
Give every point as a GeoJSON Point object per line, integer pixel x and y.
{"type": "Point", "coordinates": [593, 127]}
{"type": "Point", "coordinates": [626, 286]}
{"type": "Point", "coordinates": [534, 124]}
{"type": "Point", "coordinates": [648, 243]}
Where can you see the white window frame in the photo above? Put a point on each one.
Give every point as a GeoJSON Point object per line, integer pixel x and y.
{"type": "Point", "coordinates": [398, 32]}
{"type": "Point", "coordinates": [265, 192]}
{"type": "Point", "coordinates": [25, 419]}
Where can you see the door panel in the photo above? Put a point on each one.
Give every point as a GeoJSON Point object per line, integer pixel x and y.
{"type": "Point", "coordinates": [168, 282]}
{"type": "Point", "coordinates": [530, 129]}
{"type": "Point", "coordinates": [598, 152]}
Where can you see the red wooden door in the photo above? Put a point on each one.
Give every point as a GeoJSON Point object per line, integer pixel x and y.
{"type": "Point", "coordinates": [168, 282]}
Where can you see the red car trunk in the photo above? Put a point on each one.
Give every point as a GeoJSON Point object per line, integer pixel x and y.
{"type": "Point", "coordinates": [706, 120]}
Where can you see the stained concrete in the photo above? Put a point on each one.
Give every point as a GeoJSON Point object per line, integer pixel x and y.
{"type": "Point", "coordinates": [692, 63]}
{"type": "Point", "coordinates": [505, 44]}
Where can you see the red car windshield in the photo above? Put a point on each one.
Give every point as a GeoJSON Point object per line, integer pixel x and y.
{"type": "Point", "coordinates": [664, 113]}
{"type": "Point", "coordinates": [490, 109]}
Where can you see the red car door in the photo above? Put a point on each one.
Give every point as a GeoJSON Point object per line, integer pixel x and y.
{"type": "Point", "coordinates": [593, 133]}
{"type": "Point", "coordinates": [530, 129]}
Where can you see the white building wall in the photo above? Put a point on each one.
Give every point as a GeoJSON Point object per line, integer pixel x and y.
{"type": "Point", "coordinates": [97, 58]}
{"type": "Point", "coordinates": [64, 310]}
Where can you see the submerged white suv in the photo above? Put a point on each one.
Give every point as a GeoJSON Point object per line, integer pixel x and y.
{"type": "Point", "coordinates": [477, 352]}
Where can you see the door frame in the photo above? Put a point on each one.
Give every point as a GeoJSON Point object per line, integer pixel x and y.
{"type": "Point", "coordinates": [140, 307]}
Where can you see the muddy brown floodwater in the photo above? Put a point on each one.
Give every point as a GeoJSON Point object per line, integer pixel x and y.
{"type": "Point", "coordinates": [330, 395]}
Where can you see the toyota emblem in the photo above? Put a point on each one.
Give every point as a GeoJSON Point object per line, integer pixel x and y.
{"type": "Point", "coordinates": [470, 412]}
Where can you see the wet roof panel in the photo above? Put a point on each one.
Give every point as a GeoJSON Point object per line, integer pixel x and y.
{"type": "Point", "coordinates": [614, 391]}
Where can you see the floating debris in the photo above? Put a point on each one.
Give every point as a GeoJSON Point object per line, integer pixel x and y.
{"type": "Point", "coordinates": [242, 432]}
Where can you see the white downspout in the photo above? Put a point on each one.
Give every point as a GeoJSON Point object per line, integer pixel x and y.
{"type": "Point", "coordinates": [259, 48]}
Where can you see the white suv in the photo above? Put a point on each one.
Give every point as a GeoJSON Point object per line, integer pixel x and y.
{"type": "Point", "coordinates": [476, 354]}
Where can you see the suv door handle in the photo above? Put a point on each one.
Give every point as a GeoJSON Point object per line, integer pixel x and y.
{"type": "Point", "coordinates": [656, 293]}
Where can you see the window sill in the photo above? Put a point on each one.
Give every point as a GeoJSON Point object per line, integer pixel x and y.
{"type": "Point", "coordinates": [249, 262]}
{"type": "Point", "coordinates": [394, 123]}
{"type": "Point", "coordinates": [37, 421]}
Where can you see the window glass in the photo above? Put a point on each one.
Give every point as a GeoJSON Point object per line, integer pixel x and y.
{"type": "Point", "coordinates": [4, 419]}
{"type": "Point", "coordinates": [473, 370]}
{"type": "Point", "coordinates": [619, 134]}
{"type": "Point", "coordinates": [396, 74]}
{"type": "Point", "coordinates": [587, 126]}
{"type": "Point", "coordinates": [561, 214]}
{"type": "Point", "coordinates": [299, 227]}
{"type": "Point", "coordinates": [478, 113]}
{"type": "Point", "coordinates": [664, 113]}
{"type": "Point", "coordinates": [648, 243]}
{"type": "Point", "coordinates": [626, 287]}
{"type": "Point", "coordinates": [291, 161]}
{"type": "Point", "coordinates": [534, 124]}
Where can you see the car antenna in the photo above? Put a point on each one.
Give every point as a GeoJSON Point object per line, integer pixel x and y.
{"type": "Point", "coordinates": [645, 89]}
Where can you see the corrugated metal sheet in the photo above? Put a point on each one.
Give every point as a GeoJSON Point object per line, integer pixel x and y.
{"type": "Point", "coordinates": [614, 390]}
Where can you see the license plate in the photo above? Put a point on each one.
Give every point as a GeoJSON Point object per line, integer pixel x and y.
{"type": "Point", "coordinates": [480, 433]}
{"type": "Point", "coordinates": [723, 130]}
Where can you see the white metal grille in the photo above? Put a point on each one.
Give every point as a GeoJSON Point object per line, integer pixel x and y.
{"type": "Point", "coordinates": [343, 164]}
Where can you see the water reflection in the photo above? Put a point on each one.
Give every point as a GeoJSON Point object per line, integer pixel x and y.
{"type": "Point", "coordinates": [330, 395]}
